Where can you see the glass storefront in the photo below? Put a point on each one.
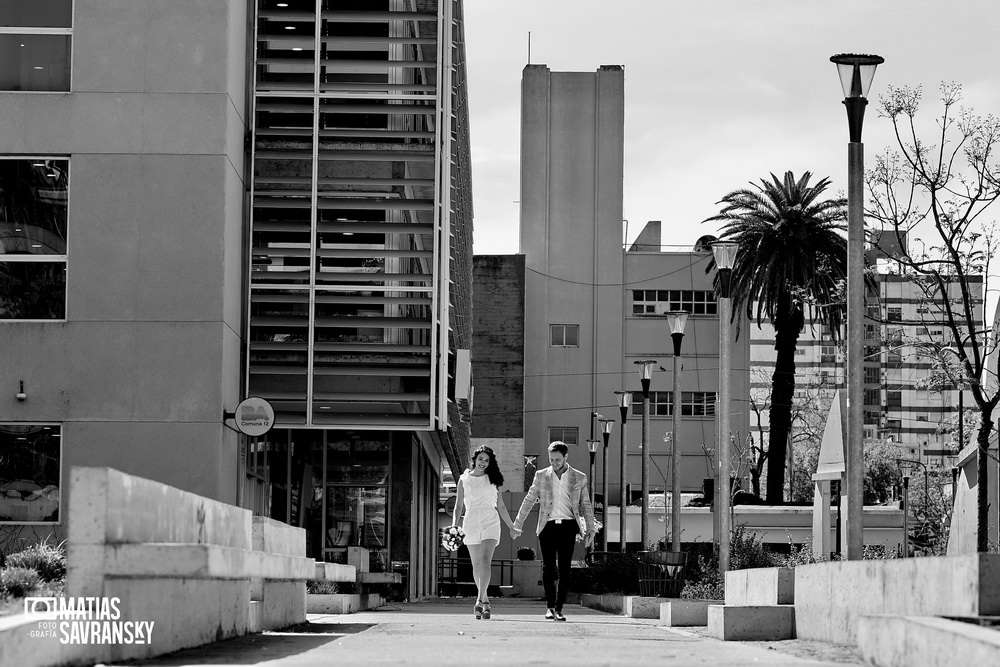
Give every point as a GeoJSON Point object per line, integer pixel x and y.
{"type": "Point", "coordinates": [335, 484]}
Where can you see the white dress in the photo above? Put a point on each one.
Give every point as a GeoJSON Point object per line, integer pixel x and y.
{"type": "Point", "coordinates": [481, 522]}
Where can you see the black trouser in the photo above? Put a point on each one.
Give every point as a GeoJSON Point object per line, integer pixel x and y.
{"type": "Point", "coordinates": [557, 541]}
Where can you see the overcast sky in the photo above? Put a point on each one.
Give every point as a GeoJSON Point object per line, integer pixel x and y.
{"type": "Point", "coordinates": [717, 92]}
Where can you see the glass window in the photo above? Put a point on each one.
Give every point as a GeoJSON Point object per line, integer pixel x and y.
{"type": "Point", "coordinates": [33, 205]}
{"type": "Point", "coordinates": [568, 434]}
{"type": "Point", "coordinates": [35, 42]}
{"type": "Point", "coordinates": [564, 335]}
{"type": "Point", "coordinates": [30, 464]}
{"type": "Point", "coordinates": [356, 517]}
{"type": "Point", "coordinates": [695, 302]}
{"type": "Point", "coordinates": [659, 403]}
{"type": "Point", "coordinates": [698, 403]}
{"type": "Point", "coordinates": [693, 403]}
{"type": "Point", "coordinates": [894, 399]}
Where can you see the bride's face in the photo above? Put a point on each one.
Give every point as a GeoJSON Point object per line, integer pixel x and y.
{"type": "Point", "coordinates": [482, 461]}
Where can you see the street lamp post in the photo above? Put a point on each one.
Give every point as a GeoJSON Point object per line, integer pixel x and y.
{"type": "Point", "coordinates": [606, 426]}
{"type": "Point", "coordinates": [856, 73]}
{"type": "Point", "coordinates": [592, 447]}
{"type": "Point", "coordinates": [724, 253]}
{"type": "Point", "coordinates": [906, 515]}
{"type": "Point", "coordinates": [645, 368]}
{"type": "Point", "coordinates": [624, 401]}
{"type": "Point", "coordinates": [676, 320]}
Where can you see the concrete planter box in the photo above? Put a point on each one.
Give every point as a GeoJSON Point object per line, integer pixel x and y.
{"type": "Point", "coordinates": [761, 623]}
{"type": "Point", "coordinates": [637, 606]}
{"type": "Point", "coordinates": [831, 597]}
{"type": "Point", "coordinates": [528, 579]}
{"type": "Point", "coordinates": [760, 586]}
{"type": "Point", "coordinates": [342, 603]}
{"type": "Point", "coordinates": [613, 604]}
{"type": "Point", "coordinates": [683, 612]}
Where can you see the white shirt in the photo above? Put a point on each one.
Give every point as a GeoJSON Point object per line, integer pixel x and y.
{"type": "Point", "coordinates": [562, 508]}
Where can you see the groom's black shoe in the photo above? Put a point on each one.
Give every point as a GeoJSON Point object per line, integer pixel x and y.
{"type": "Point", "coordinates": [550, 613]}
{"type": "Point", "coordinates": [559, 615]}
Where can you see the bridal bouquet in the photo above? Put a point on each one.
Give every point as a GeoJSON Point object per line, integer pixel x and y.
{"type": "Point", "coordinates": [583, 528]}
{"type": "Point", "coordinates": [452, 538]}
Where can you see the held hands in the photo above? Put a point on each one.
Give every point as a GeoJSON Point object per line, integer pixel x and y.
{"type": "Point", "coordinates": [515, 533]}
{"type": "Point", "coordinates": [589, 539]}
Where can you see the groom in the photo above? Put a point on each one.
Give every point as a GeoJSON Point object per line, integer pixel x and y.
{"type": "Point", "coordinates": [564, 501]}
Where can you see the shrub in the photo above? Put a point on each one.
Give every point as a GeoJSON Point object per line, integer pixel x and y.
{"type": "Point", "coordinates": [48, 560]}
{"type": "Point", "coordinates": [802, 555]}
{"type": "Point", "coordinates": [18, 581]}
{"type": "Point", "coordinates": [525, 553]}
{"type": "Point", "coordinates": [322, 587]}
{"type": "Point", "coordinates": [747, 551]}
{"type": "Point", "coordinates": [702, 580]}
{"type": "Point", "coordinates": [611, 573]}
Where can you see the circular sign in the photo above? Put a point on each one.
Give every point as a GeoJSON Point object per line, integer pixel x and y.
{"type": "Point", "coordinates": [254, 416]}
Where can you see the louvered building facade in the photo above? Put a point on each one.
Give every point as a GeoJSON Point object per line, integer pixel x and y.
{"type": "Point", "coordinates": [361, 264]}
{"type": "Point", "coordinates": [243, 197]}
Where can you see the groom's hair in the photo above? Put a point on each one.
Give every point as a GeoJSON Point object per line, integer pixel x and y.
{"type": "Point", "coordinates": [559, 446]}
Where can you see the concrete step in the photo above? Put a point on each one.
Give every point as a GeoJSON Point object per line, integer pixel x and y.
{"type": "Point", "coordinates": [685, 612]}
{"type": "Point", "coordinates": [758, 623]}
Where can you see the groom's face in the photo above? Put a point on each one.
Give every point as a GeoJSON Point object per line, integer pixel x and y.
{"type": "Point", "coordinates": [557, 461]}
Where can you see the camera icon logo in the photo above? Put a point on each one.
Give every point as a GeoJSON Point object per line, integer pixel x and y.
{"type": "Point", "coordinates": [46, 609]}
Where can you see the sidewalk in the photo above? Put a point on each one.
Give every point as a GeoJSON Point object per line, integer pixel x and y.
{"type": "Point", "coordinates": [444, 632]}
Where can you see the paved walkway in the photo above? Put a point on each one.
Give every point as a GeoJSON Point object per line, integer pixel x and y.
{"type": "Point", "coordinates": [444, 632]}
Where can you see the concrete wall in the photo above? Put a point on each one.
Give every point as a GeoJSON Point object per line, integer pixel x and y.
{"type": "Point", "coordinates": [498, 362]}
{"type": "Point", "coordinates": [149, 354]}
{"type": "Point", "coordinates": [572, 155]}
{"type": "Point", "coordinates": [964, 530]}
{"type": "Point", "coordinates": [831, 597]}
{"type": "Point", "coordinates": [498, 346]}
{"type": "Point", "coordinates": [772, 524]}
{"type": "Point", "coordinates": [648, 337]}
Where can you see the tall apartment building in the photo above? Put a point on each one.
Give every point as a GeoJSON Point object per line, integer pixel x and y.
{"type": "Point", "coordinates": [264, 198]}
{"type": "Point", "coordinates": [594, 306]}
{"type": "Point", "coordinates": [899, 404]}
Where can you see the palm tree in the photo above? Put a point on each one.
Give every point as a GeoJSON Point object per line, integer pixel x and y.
{"type": "Point", "coordinates": [792, 254]}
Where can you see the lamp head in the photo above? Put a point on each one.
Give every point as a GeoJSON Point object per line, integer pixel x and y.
{"type": "Point", "coordinates": [592, 445]}
{"type": "Point", "coordinates": [624, 399]}
{"type": "Point", "coordinates": [724, 253]}
{"type": "Point", "coordinates": [607, 425]}
{"type": "Point", "coordinates": [677, 320]}
{"type": "Point", "coordinates": [645, 368]}
{"type": "Point", "coordinates": [856, 72]}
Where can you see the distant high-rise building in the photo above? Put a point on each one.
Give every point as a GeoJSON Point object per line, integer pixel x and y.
{"type": "Point", "coordinates": [900, 403]}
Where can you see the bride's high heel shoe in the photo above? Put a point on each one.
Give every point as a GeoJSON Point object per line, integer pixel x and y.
{"type": "Point", "coordinates": [479, 610]}
{"type": "Point", "coordinates": [486, 610]}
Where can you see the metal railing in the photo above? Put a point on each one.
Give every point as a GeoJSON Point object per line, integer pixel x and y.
{"type": "Point", "coordinates": [454, 575]}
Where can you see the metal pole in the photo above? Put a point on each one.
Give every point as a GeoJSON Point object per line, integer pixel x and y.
{"type": "Point", "coordinates": [604, 495]}
{"type": "Point", "coordinates": [906, 517]}
{"type": "Point", "coordinates": [725, 492]}
{"type": "Point", "coordinates": [644, 531]}
{"type": "Point", "coordinates": [675, 460]}
{"type": "Point", "coordinates": [854, 497]}
{"type": "Point", "coordinates": [593, 477]}
{"type": "Point", "coordinates": [961, 419]}
{"type": "Point", "coordinates": [622, 500]}
{"type": "Point", "coordinates": [666, 524]}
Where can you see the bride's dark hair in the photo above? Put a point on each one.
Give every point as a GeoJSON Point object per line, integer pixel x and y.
{"type": "Point", "coordinates": [492, 470]}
